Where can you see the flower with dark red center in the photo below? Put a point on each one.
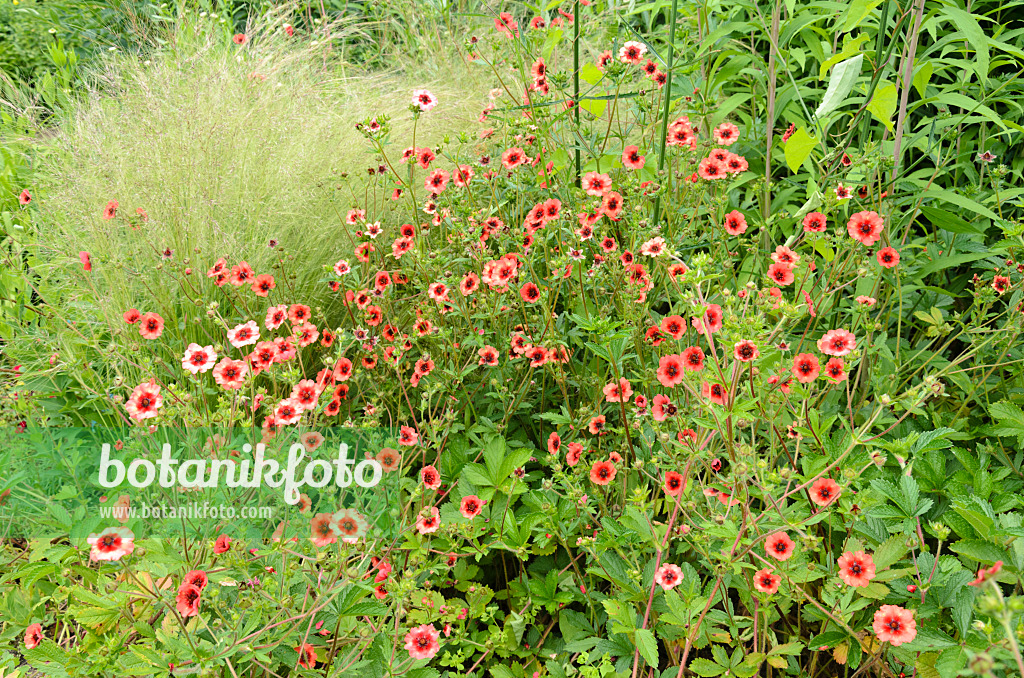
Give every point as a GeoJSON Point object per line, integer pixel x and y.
{"type": "Point", "coordinates": [670, 370]}
{"type": "Point", "coordinates": [602, 472]}
{"type": "Point", "coordinates": [735, 223]}
{"type": "Point", "coordinates": [815, 222]}
{"type": "Point", "coordinates": [745, 351]}
{"type": "Point", "coordinates": [856, 568]}
{"type": "Point", "coordinates": [779, 546]}
{"type": "Point", "coordinates": [470, 506]}
{"type": "Point", "coordinates": [894, 624]}
{"type": "Point", "coordinates": [430, 477]}
{"type": "Point", "coordinates": [693, 359]}
{"type": "Point", "coordinates": [824, 491]}
{"type": "Point", "coordinates": [673, 484]}
{"type": "Point", "coordinates": [888, 257]}
{"type": "Point", "coordinates": [806, 367]}
{"type": "Point", "coordinates": [766, 582]}
{"type": "Point", "coordinates": [865, 227]}
{"type": "Point", "coordinates": [422, 642]}
{"type": "Point", "coordinates": [668, 576]}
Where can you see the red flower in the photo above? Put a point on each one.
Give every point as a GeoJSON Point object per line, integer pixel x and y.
{"type": "Point", "coordinates": [25, 199]}
{"type": "Point", "coordinates": [307, 654]}
{"type": "Point", "coordinates": [596, 424]}
{"type": "Point", "coordinates": [596, 184]}
{"type": "Point", "coordinates": [693, 359]}
{"type": "Point", "coordinates": [984, 574]}
{"type": "Point", "coordinates": [602, 472]}
{"type": "Point", "coordinates": [222, 545]}
{"type": "Point", "coordinates": [422, 641]}
{"type": "Point", "coordinates": [735, 223]}
{"type": "Point", "coordinates": [668, 576]}
{"type": "Point", "coordinates": [894, 624]}
{"type": "Point", "coordinates": [824, 491]}
{"type": "Point", "coordinates": [815, 222]}
{"type": "Point", "coordinates": [674, 326]}
{"type": "Point", "coordinates": [745, 351]}
{"type": "Point", "coordinates": [835, 369]}
{"type": "Point", "coordinates": [888, 257]}
{"type": "Point", "coordinates": [530, 293]}
{"type": "Point", "coordinates": [781, 274]}
{"type": "Point", "coordinates": [674, 484]}
{"type": "Point", "coordinates": [408, 436]}
{"type": "Point", "coordinates": [856, 568]}
{"type": "Point", "coordinates": [110, 211]}
{"type": "Point", "coordinates": [710, 169]}
{"type": "Point", "coordinates": [865, 227]}
{"type": "Point", "coordinates": [239, 38]}
{"type": "Point", "coordinates": [726, 134]}
{"type": "Point", "coordinates": [230, 374]}
{"type": "Point", "coordinates": [805, 367]}
{"type": "Point", "coordinates": [86, 260]}
{"type": "Point", "coordinates": [618, 393]}
{"type": "Point", "coordinates": [663, 408]}
{"type": "Point", "coordinates": [430, 477]}
{"type": "Point", "coordinates": [670, 370]}
{"type": "Point", "coordinates": [714, 392]}
{"type": "Point", "coordinates": [263, 284]}
{"type": "Point", "coordinates": [470, 506]}
{"type": "Point", "coordinates": [188, 600]}
{"type": "Point", "coordinates": [766, 582]}
{"type": "Point", "coordinates": [513, 157]}
{"type": "Point", "coordinates": [631, 158]}
{"type": "Point", "coordinates": [779, 546]}
{"type": "Point", "coordinates": [837, 342]}
{"type": "Point", "coordinates": [33, 636]}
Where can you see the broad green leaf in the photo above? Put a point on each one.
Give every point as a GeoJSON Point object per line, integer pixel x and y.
{"type": "Point", "coordinates": [591, 74]}
{"type": "Point", "coordinates": [959, 200]}
{"type": "Point", "coordinates": [922, 76]}
{"type": "Point", "coordinates": [950, 222]}
{"type": "Point", "coordinates": [883, 103]}
{"type": "Point", "coordinates": [850, 47]}
{"type": "Point", "coordinates": [857, 11]}
{"type": "Point", "coordinates": [595, 107]}
{"type": "Point", "coordinates": [706, 667]}
{"type": "Point", "coordinates": [841, 82]}
{"type": "Point", "coordinates": [648, 646]}
{"type": "Point", "coordinates": [975, 35]}
{"type": "Point", "coordinates": [798, 148]}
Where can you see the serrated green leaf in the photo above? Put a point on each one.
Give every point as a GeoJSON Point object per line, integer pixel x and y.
{"type": "Point", "coordinates": [706, 667]}
{"type": "Point", "coordinates": [648, 646]}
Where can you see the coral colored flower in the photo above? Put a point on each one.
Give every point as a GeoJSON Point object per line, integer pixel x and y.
{"type": "Point", "coordinates": [653, 247]}
{"type": "Point", "coordinates": [662, 408]}
{"type": "Point", "coordinates": [888, 257]}
{"type": "Point", "coordinates": [766, 582]}
{"type": "Point", "coordinates": [307, 656]}
{"type": "Point", "coordinates": [835, 369]}
{"type": "Point", "coordinates": [198, 358]}
{"type": "Point", "coordinates": [779, 546]}
{"type": "Point", "coordinates": [781, 274]}
{"type": "Point", "coordinates": [423, 99]}
{"type": "Point", "coordinates": [726, 134]}
{"type": "Point", "coordinates": [745, 351]}
{"type": "Point", "coordinates": [429, 521]}
{"type": "Point", "coordinates": [298, 313]}
{"type": "Point", "coordinates": [276, 315]}
{"type": "Point", "coordinates": [618, 393]}
{"type": "Point", "coordinates": [323, 530]}
{"type": "Point", "coordinates": [422, 642]}
{"type": "Point", "coordinates": [488, 356]}
{"type": "Point", "coordinates": [714, 392]}
{"type": "Point", "coordinates": [86, 261]}
{"type": "Point", "coordinates": [632, 52]}
{"type": "Point", "coordinates": [110, 211]}
{"type": "Point", "coordinates": [602, 472]}
{"type": "Point", "coordinates": [132, 316]}
{"type": "Point", "coordinates": [262, 285]}
{"type": "Point", "coordinates": [865, 227]}
{"type": "Point", "coordinates": [112, 543]}
{"type": "Point", "coordinates": [711, 169]}
{"type": "Point", "coordinates": [735, 223]}
{"type": "Point", "coordinates": [144, 401]}
{"type": "Point", "coordinates": [530, 293]}
{"type": "Point", "coordinates": [239, 38]}
{"type": "Point", "coordinates": [408, 436]}
{"type": "Point", "coordinates": [596, 424]}
{"type": "Point", "coordinates": [244, 335]}
{"type": "Point", "coordinates": [894, 624]}
{"type": "Point", "coordinates": [554, 443]}
{"type": "Point", "coordinates": [806, 367]}
{"type": "Point", "coordinates": [631, 158]}
{"type": "Point", "coordinates": [670, 370]}
{"type": "Point", "coordinates": [815, 222]}
{"type": "Point", "coordinates": [837, 343]}
{"type": "Point", "coordinates": [288, 411]}
{"type": "Point", "coordinates": [513, 157]}
{"type": "Point", "coordinates": [33, 636]}
{"type": "Point", "coordinates": [668, 576]}
{"type": "Point", "coordinates": [187, 600]}
{"type": "Point", "coordinates": [856, 568]}
{"type": "Point", "coordinates": [151, 326]}
{"type": "Point", "coordinates": [596, 184]}
{"type": "Point", "coordinates": [222, 545]}
{"type": "Point", "coordinates": [349, 524]}
{"type": "Point", "coordinates": [986, 573]}
{"type": "Point", "coordinates": [572, 457]}
{"type": "Point", "coordinates": [430, 477]}
{"type": "Point", "coordinates": [436, 182]}
{"type": "Point", "coordinates": [389, 459]}
{"type": "Point", "coordinates": [674, 326]}
{"type": "Point", "coordinates": [693, 359]}
{"type": "Point", "coordinates": [470, 506]}
{"type": "Point", "coordinates": [230, 374]}
{"type": "Point", "coordinates": [23, 199]}
{"type": "Point", "coordinates": [673, 484]}
{"type": "Point", "coordinates": [824, 491]}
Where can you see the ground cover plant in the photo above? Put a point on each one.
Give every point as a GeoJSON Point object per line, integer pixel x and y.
{"type": "Point", "coordinates": [692, 350]}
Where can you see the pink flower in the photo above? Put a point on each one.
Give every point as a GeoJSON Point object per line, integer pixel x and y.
{"type": "Point", "coordinates": [824, 491]}
{"type": "Point", "coordinates": [779, 546]}
{"type": "Point", "coordinates": [894, 624]}
{"type": "Point", "coordinates": [422, 642]}
{"type": "Point", "coordinates": [245, 334]}
{"type": "Point", "coordinates": [198, 358]}
{"type": "Point", "coordinates": [766, 582]}
{"type": "Point", "coordinates": [112, 543]}
{"type": "Point", "coordinates": [33, 634]}
{"type": "Point", "coordinates": [837, 343]}
{"type": "Point", "coordinates": [429, 520]}
{"type": "Point", "coordinates": [618, 393]}
{"type": "Point", "coordinates": [668, 576]}
{"type": "Point", "coordinates": [856, 568]}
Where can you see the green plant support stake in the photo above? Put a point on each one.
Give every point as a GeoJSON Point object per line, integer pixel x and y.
{"type": "Point", "coordinates": [576, 82]}
{"type": "Point", "coordinates": [668, 104]}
